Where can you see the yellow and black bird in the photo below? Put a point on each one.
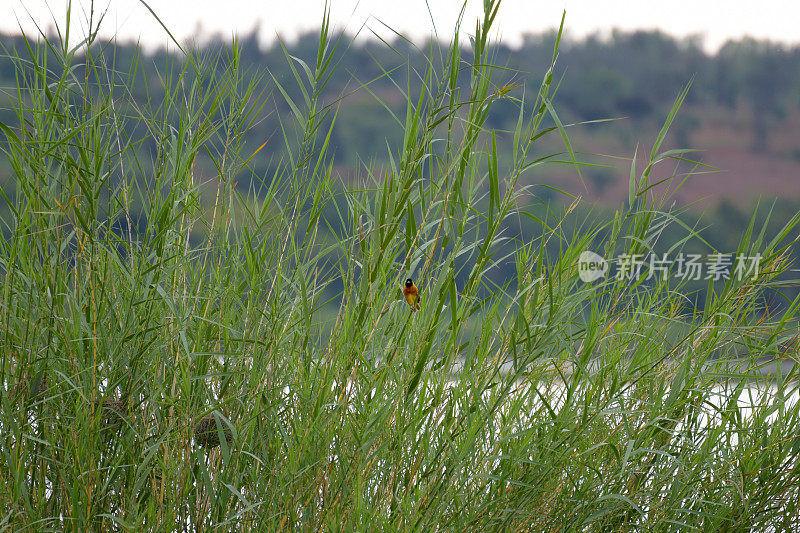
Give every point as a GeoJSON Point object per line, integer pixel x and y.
{"type": "Point", "coordinates": [411, 294]}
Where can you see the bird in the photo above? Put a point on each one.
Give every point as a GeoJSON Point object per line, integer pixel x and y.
{"type": "Point", "coordinates": [411, 294]}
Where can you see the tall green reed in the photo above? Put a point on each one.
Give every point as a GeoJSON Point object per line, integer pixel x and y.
{"type": "Point", "coordinates": [135, 269]}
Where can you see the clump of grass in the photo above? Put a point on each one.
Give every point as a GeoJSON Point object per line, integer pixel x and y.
{"type": "Point", "coordinates": [535, 403]}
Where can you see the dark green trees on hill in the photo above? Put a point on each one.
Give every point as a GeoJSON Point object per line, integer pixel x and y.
{"type": "Point", "coordinates": [633, 75]}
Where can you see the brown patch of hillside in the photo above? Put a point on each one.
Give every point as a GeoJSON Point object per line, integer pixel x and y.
{"type": "Point", "coordinates": [724, 141]}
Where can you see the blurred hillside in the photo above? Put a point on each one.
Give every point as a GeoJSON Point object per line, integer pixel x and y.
{"type": "Point", "coordinates": [743, 110]}
{"type": "Point", "coordinates": [742, 113]}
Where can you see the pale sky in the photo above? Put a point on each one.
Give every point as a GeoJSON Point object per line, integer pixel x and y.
{"type": "Point", "coordinates": [715, 20]}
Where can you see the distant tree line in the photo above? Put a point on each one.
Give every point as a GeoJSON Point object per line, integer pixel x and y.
{"type": "Point", "coordinates": [628, 74]}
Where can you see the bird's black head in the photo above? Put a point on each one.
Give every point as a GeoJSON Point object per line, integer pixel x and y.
{"type": "Point", "coordinates": [409, 283]}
